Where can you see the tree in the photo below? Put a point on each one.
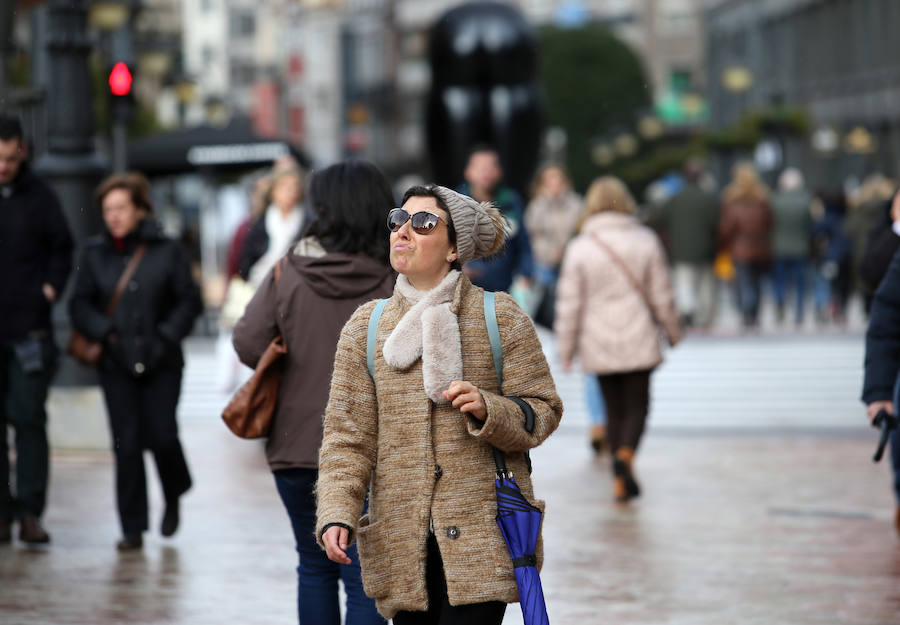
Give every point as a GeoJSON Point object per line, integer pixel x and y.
{"type": "Point", "coordinates": [593, 83]}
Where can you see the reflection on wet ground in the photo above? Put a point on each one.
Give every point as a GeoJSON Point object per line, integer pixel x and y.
{"type": "Point", "coordinates": [732, 529]}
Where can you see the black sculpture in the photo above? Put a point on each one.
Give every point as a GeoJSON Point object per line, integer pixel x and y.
{"type": "Point", "coordinates": [484, 61]}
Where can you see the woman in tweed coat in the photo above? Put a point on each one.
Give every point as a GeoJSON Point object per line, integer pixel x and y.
{"type": "Point", "coordinates": [419, 435]}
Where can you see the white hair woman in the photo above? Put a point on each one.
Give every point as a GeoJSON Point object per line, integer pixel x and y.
{"type": "Point", "coordinates": [418, 433]}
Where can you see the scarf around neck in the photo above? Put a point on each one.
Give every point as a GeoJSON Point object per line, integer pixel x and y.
{"type": "Point", "coordinates": [429, 330]}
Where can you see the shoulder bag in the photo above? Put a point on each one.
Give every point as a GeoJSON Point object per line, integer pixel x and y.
{"type": "Point", "coordinates": [83, 349]}
{"type": "Point", "coordinates": [249, 413]}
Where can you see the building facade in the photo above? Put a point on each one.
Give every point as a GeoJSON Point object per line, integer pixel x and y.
{"type": "Point", "coordinates": [836, 60]}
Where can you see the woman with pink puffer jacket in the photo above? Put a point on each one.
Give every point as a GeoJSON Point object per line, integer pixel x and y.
{"type": "Point", "coordinates": [614, 297]}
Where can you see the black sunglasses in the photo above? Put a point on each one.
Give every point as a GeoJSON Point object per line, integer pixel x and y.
{"type": "Point", "coordinates": [423, 222]}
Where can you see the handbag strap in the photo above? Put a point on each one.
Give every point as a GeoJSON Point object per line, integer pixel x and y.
{"type": "Point", "coordinates": [638, 286]}
{"type": "Point", "coordinates": [130, 268]}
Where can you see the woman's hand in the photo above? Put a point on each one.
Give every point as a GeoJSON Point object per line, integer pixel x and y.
{"type": "Point", "coordinates": [466, 396]}
{"type": "Point", "coordinates": [335, 540]}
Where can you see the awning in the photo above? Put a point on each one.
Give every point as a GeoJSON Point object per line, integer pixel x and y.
{"type": "Point", "coordinates": [231, 147]}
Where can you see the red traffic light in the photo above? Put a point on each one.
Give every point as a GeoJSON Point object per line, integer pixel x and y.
{"type": "Point", "coordinates": [120, 79]}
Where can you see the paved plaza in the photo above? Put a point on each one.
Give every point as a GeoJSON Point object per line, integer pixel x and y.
{"type": "Point", "coordinates": [761, 505]}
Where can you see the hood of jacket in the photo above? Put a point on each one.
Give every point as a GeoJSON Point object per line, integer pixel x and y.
{"type": "Point", "coordinates": [338, 275]}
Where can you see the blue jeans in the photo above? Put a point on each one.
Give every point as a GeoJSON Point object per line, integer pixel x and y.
{"type": "Point", "coordinates": [317, 589]}
{"type": "Point", "coordinates": [791, 271]}
{"type": "Point", "coordinates": [749, 279]}
{"type": "Point", "coordinates": [596, 407]}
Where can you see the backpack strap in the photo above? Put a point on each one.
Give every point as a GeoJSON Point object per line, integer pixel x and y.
{"type": "Point", "coordinates": [372, 335]}
{"type": "Point", "coordinates": [493, 330]}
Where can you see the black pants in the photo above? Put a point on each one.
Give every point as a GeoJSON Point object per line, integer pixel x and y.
{"type": "Point", "coordinates": [627, 398]}
{"type": "Point", "coordinates": [22, 399]}
{"type": "Point", "coordinates": [142, 416]}
{"type": "Point", "coordinates": [440, 612]}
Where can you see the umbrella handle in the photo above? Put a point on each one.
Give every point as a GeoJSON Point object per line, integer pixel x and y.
{"type": "Point", "coordinates": [882, 421]}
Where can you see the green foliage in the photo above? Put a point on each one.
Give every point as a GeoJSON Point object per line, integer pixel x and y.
{"type": "Point", "coordinates": [593, 82]}
{"type": "Point", "coordinates": [753, 125]}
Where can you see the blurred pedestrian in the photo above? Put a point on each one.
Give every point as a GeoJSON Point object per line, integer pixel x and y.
{"type": "Point", "coordinates": [881, 242]}
{"type": "Point", "coordinates": [141, 369]}
{"type": "Point", "coordinates": [613, 300]}
{"type": "Point", "coordinates": [340, 262]}
{"type": "Point", "coordinates": [745, 232]}
{"type": "Point", "coordinates": [277, 229]}
{"type": "Point", "coordinates": [36, 257]}
{"type": "Point", "coordinates": [689, 221]}
{"type": "Point", "coordinates": [880, 386]}
{"type": "Point", "coordinates": [868, 206]}
{"type": "Point", "coordinates": [238, 292]}
{"type": "Point", "coordinates": [550, 219]}
{"type": "Point", "coordinates": [831, 254]}
{"type": "Point", "coordinates": [483, 176]}
{"type": "Point", "coordinates": [791, 207]}
{"type": "Point", "coordinates": [418, 434]}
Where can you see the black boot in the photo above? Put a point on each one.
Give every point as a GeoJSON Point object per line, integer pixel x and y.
{"type": "Point", "coordinates": [130, 542]}
{"type": "Point", "coordinates": [31, 532]}
{"type": "Point", "coordinates": [5, 530]}
{"type": "Point", "coordinates": [170, 519]}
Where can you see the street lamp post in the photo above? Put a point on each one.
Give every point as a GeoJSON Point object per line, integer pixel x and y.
{"type": "Point", "coordinates": [70, 164]}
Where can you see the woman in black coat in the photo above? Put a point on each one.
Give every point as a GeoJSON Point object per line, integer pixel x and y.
{"type": "Point", "coordinates": [140, 371]}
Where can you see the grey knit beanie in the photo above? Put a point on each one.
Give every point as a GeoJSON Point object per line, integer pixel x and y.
{"type": "Point", "coordinates": [480, 228]}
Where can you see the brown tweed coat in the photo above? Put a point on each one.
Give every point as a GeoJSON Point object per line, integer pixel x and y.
{"type": "Point", "coordinates": [427, 461]}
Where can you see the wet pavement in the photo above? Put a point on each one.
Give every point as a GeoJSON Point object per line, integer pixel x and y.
{"type": "Point", "coordinates": [741, 522]}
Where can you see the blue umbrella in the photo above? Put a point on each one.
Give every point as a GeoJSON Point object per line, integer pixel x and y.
{"type": "Point", "coordinates": [520, 523]}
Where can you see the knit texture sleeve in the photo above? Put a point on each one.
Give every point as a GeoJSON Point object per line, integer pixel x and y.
{"type": "Point", "coordinates": [526, 375]}
{"type": "Point", "coordinates": [350, 439]}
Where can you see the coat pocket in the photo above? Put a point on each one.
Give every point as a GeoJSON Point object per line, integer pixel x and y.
{"type": "Point", "coordinates": [374, 558]}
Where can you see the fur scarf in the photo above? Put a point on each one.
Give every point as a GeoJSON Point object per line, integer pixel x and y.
{"type": "Point", "coordinates": [429, 330]}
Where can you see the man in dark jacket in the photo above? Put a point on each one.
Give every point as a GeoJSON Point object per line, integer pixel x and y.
{"type": "Point", "coordinates": [483, 175]}
{"type": "Point", "coordinates": [690, 220]}
{"type": "Point", "coordinates": [883, 360]}
{"type": "Point", "coordinates": [36, 257]}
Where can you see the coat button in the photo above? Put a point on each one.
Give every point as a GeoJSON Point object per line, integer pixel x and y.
{"type": "Point", "coordinates": [139, 367]}
{"type": "Point", "coordinates": [132, 286]}
{"type": "Point", "coordinates": [453, 532]}
{"type": "Point", "coordinates": [438, 471]}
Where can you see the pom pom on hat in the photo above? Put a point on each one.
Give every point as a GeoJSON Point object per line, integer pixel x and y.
{"type": "Point", "coordinates": [480, 228]}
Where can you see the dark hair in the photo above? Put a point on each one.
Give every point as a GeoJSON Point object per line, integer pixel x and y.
{"type": "Point", "coordinates": [428, 190]}
{"type": "Point", "coordinates": [480, 148]}
{"type": "Point", "coordinates": [135, 183]}
{"type": "Point", "coordinates": [10, 128]}
{"type": "Point", "coordinates": [350, 202]}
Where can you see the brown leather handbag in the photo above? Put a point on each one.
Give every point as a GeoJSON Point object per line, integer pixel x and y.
{"type": "Point", "coordinates": [249, 413]}
{"type": "Point", "coordinates": [83, 349]}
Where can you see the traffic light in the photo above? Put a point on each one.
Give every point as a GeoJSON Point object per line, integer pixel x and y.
{"type": "Point", "coordinates": [120, 80]}
{"type": "Point", "coordinates": [121, 97]}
